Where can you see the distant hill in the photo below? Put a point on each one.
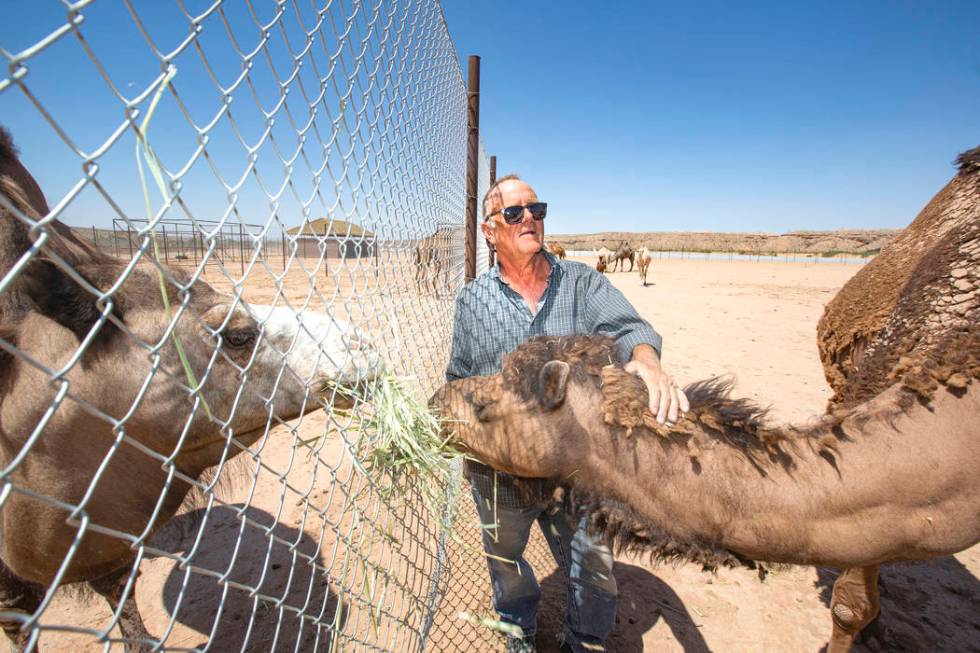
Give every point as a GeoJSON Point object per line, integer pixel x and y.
{"type": "Point", "coordinates": [851, 241]}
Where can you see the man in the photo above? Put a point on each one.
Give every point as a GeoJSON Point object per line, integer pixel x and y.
{"type": "Point", "coordinates": [530, 292]}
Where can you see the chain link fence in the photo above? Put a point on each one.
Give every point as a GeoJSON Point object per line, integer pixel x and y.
{"type": "Point", "coordinates": [251, 207]}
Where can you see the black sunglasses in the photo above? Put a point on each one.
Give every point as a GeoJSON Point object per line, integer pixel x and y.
{"type": "Point", "coordinates": [514, 214]}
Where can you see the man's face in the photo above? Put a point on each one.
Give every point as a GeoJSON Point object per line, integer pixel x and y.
{"type": "Point", "coordinates": [514, 242]}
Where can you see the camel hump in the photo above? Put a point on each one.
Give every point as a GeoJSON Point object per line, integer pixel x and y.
{"type": "Point", "coordinates": [969, 161]}
{"type": "Point", "coordinates": [8, 151]}
{"type": "Point", "coordinates": [854, 319]}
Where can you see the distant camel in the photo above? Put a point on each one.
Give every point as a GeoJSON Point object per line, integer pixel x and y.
{"type": "Point", "coordinates": [127, 428]}
{"type": "Point", "coordinates": [623, 253]}
{"type": "Point", "coordinates": [557, 250]}
{"type": "Point", "coordinates": [602, 258]}
{"type": "Point", "coordinates": [433, 261]}
{"type": "Point", "coordinates": [643, 260]}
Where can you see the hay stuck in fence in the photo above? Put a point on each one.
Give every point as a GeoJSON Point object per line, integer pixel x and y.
{"type": "Point", "coordinates": [402, 447]}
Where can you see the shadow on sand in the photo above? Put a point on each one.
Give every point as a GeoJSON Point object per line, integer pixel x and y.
{"type": "Point", "coordinates": [644, 599]}
{"type": "Point", "coordinates": [925, 606]}
{"type": "Point", "coordinates": [224, 612]}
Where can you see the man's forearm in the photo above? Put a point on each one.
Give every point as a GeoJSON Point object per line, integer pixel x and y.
{"type": "Point", "coordinates": [646, 354]}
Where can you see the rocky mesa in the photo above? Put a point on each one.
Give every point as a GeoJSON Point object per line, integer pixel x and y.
{"type": "Point", "coordinates": [853, 241]}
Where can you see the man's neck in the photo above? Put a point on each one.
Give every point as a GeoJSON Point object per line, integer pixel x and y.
{"type": "Point", "coordinates": [525, 272]}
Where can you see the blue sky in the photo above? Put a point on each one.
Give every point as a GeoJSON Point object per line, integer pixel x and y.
{"type": "Point", "coordinates": [723, 116]}
{"type": "Point", "coordinates": [726, 116]}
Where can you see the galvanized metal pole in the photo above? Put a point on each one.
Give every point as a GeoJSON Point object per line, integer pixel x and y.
{"type": "Point", "coordinates": [166, 250]}
{"type": "Point", "coordinates": [491, 253]}
{"type": "Point", "coordinates": [472, 162]}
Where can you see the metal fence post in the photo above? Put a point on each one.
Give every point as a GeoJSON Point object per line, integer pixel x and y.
{"type": "Point", "coordinates": [491, 252]}
{"type": "Point", "coordinates": [472, 165]}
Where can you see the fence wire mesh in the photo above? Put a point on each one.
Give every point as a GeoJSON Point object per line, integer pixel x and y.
{"type": "Point", "coordinates": [249, 205]}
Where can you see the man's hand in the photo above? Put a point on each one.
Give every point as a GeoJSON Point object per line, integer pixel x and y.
{"type": "Point", "coordinates": [667, 401]}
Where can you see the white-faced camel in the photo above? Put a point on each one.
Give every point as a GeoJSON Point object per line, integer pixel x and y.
{"type": "Point", "coordinates": [891, 474]}
{"type": "Point", "coordinates": [102, 432]}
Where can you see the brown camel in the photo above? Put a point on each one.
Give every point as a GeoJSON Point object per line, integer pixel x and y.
{"type": "Point", "coordinates": [102, 434]}
{"type": "Point", "coordinates": [856, 315]}
{"type": "Point", "coordinates": [434, 261]}
{"type": "Point", "coordinates": [557, 250]}
{"type": "Point", "coordinates": [866, 486]}
{"type": "Point", "coordinates": [602, 259]}
{"type": "Point", "coordinates": [851, 329]}
{"type": "Point", "coordinates": [622, 254]}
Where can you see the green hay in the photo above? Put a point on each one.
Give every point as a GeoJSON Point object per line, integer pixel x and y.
{"type": "Point", "coordinates": [511, 630]}
{"type": "Point", "coordinates": [400, 444]}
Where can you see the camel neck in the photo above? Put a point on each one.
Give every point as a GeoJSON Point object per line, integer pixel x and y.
{"type": "Point", "coordinates": [867, 501]}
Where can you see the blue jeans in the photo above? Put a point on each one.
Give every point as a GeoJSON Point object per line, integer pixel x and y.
{"type": "Point", "coordinates": [591, 607]}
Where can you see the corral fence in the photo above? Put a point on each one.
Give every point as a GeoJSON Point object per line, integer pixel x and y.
{"type": "Point", "coordinates": [226, 497]}
{"type": "Point", "coordinates": [742, 255]}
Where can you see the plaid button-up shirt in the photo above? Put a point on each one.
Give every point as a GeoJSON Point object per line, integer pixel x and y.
{"type": "Point", "coordinates": [492, 320]}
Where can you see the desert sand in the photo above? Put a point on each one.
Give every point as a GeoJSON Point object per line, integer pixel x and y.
{"type": "Point", "coordinates": [755, 320]}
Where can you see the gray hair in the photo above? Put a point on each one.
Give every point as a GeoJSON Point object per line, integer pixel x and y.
{"type": "Point", "coordinates": [493, 187]}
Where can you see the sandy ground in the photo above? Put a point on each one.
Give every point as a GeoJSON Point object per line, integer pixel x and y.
{"type": "Point", "coordinates": [754, 320]}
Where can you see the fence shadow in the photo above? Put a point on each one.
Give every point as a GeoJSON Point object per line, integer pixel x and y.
{"type": "Point", "coordinates": [221, 612]}
{"type": "Point", "coordinates": [925, 606]}
{"type": "Point", "coordinates": [643, 599]}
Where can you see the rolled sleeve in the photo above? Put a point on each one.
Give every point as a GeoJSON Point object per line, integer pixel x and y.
{"type": "Point", "coordinates": [611, 314]}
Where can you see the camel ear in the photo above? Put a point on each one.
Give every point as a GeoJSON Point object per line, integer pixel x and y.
{"type": "Point", "coordinates": [552, 383]}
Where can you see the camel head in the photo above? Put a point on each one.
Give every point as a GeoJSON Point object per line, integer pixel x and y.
{"type": "Point", "coordinates": [113, 373]}
{"type": "Point", "coordinates": [534, 418]}
{"type": "Point", "coordinates": [126, 359]}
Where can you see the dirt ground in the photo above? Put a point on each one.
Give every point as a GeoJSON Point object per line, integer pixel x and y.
{"type": "Point", "coordinates": [754, 320]}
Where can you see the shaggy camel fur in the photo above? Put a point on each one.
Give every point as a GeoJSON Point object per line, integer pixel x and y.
{"type": "Point", "coordinates": [557, 250]}
{"type": "Point", "coordinates": [852, 332]}
{"type": "Point", "coordinates": [856, 315]}
{"type": "Point", "coordinates": [865, 487]}
{"type": "Point", "coordinates": [643, 260]}
{"type": "Point", "coordinates": [622, 254]}
{"type": "Point", "coordinates": [117, 431]}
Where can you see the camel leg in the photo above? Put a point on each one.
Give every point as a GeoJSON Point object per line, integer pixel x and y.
{"type": "Point", "coordinates": [111, 587]}
{"type": "Point", "coordinates": [21, 597]}
{"type": "Point", "coordinates": [853, 606]}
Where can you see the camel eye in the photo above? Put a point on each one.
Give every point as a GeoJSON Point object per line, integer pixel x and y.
{"type": "Point", "coordinates": [484, 412]}
{"type": "Point", "coordinates": [237, 339]}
